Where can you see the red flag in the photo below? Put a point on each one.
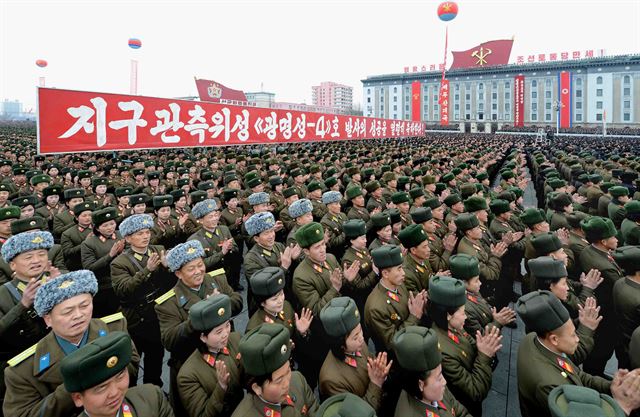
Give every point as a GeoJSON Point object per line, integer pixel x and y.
{"type": "Point", "coordinates": [487, 54]}
{"type": "Point", "coordinates": [214, 91]}
{"type": "Point", "coordinates": [564, 93]}
{"type": "Point", "coordinates": [444, 102]}
{"type": "Point", "coordinates": [415, 101]}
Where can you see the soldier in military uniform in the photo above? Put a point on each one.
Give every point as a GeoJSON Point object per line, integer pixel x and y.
{"type": "Point", "coordinates": [96, 253]}
{"type": "Point", "coordinates": [630, 227]}
{"type": "Point", "coordinates": [479, 313]}
{"type": "Point", "coordinates": [455, 205]}
{"type": "Point", "coordinates": [172, 308]}
{"type": "Point", "coordinates": [277, 198]}
{"type": "Point", "coordinates": [349, 367]}
{"type": "Point", "coordinates": [345, 404]}
{"type": "Point", "coordinates": [233, 217]}
{"type": "Point", "coordinates": [317, 280]}
{"type": "Point", "coordinates": [376, 199]}
{"type": "Point", "coordinates": [424, 387]}
{"type": "Point", "coordinates": [615, 209]}
{"type": "Point", "coordinates": [291, 195]}
{"type": "Point", "coordinates": [577, 241]}
{"type": "Point", "coordinates": [301, 211]}
{"type": "Point", "coordinates": [332, 222]}
{"type": "Point", "coordinates": [154, 188]}
{"type": "Point", "coordinates": [8, 216]}
{"type": "Point", "coordinates": [314, 194]}
{"type": "Point", "coordinates": [417, 269]}
{"type": "Point", "coordinates": [20, 326]}
{"type": "Point", "coordinates": [74, 236]}
{"type": "Point", "coordinates": [138, 203]}
{"type": "Point", "coordinates": [357, 210]}
{"type": "Point", "coordinates": [34, 383]}
{"type": "Point", "coordinates": [51, 206]}
{"type": "Point", "coordinates": [273, 389]}
{"type": "Point", "coordinates": [438, 213]}
{"type": "Point", "coordinates": [551, 341]}
{"type": "Point", "coordinates": [401, 200]}
{"type": "Point", "coordinates": [390, 306]}
{"type": "Point", "coordinates": [440, 250]}
{"type": "Point", "coordinates": [123, 208]}
{"type": "Point", "coordinates": [95, 373]}
{"type": "Point", "coordinates": [466, 359]}
{"type": "Point", "coordinates": [601, 234]}
{"type": "Point", "coordinates": [210, 381]}
{"type": "Point", "coordinates": [65, 219]}
{"type": "Point", "coordinates": [166, 231]}
{"type": "Point", "coordinates": [626, 300]}
{"type": "Point", "coordinates": [27, 204]}
{"type": "Point", "coordinates": [139, 276]}
{"type": "Point", "coordinates": [100, 198]}
{"type": "Point", "coordinates": [380, 231]}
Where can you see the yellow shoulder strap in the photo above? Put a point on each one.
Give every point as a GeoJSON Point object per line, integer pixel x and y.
{"type": "Point", "coordinates": [216, 272]}
{"type": "Point", "coordinates": [22, 356]}
{"type": "Point", "coordinates": [112, 318]}
{"type": "Point", "coordinates": [164, 297]}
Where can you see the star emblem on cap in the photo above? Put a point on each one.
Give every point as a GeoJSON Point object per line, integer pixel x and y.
{"type": "Point", "coordinates": [283, 349]}
{"type": "Point", "coordinates": [112, 361]}
{"type": "Point", "coordinates": [37, 240]}
{"type": "Point", "coordinates": [191, 250]}
{"type": "Point", "coordinates": [32, 223]}
{"type": "Point", "coordinates": [221, 311]}
{"type": "Point", "coordinates": [107, 215]}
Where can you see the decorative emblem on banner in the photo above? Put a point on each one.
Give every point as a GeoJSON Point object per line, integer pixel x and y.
{"type": "Point", "coordinates": [481, 54]}
{"type": "Point", "coordinates": [214, 91]}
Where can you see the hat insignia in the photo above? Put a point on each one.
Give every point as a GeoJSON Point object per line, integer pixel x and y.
{"type": "Point", "coordinates": [356, 313]}
{"type": "Point", "coordinates": [107, 215]}
{"type": "Point", "coordinates": [32, 223]}
{"type": "Point", "coordinates": [283, 349]}
{"type": "Point", "coordinates": [279, 281]}
{"type": "Point", "coordinates": [145, 222]}
{"type": "Point", "coordinates": [37, 239]}
{"type": "Point", "coordinates": [65, 284]}
{"type": "Point", "coordinates": [317, 231]}
{"type": "Point", "coordinates": [221, 311]}
{"type": "Point", "coordinates": [8, 213]}
{"type": "Point", "coordinates": [112, 361]}
{"type": "Point", "coordinates": [191, 250]}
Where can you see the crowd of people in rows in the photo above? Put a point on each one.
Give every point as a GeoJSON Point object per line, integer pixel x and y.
{"type": "Point", "coordinates": [377, 277]}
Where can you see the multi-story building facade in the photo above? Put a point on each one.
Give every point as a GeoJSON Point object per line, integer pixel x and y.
{"type": "Point", "coordinates": [332, 95]}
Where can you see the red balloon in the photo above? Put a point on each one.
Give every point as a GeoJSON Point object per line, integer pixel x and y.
{"type": "Point", "coordinates": [447, 11]}
{"type": "Point", "coordinates": [41, 63]}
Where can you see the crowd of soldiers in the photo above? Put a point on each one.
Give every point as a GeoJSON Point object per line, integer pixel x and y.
{"type": "Point", "coordinates": [377, 277]}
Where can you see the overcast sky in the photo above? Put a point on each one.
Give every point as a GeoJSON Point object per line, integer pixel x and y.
{"type": "Point", "coordinates": [287, 45]}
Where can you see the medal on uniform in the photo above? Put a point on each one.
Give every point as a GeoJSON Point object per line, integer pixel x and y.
{"type": "Point", "coordinates": [268, 319]}
{"type": "Point", "coordinates": [126, 411]}
{"type": "Point", "coordinates": [268, 412]}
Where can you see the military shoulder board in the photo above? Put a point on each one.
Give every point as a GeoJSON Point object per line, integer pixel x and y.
{"type": "Point", "coordinates": [216, 272]}
{"type": "Point", "coordinates": [164, 297]}
{"type": "Point", "coordinates": [22, 356]}
{"type": "Point", "coordinates": [112, 318]}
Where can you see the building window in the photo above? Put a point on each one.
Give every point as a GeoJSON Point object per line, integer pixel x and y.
{"type": "Point", "coordinates": [599, 92]}
{"type": "Point", "coordinates": [507, 116]}
{"type": "Point", "coordinates": [480, 96]}
{"type": "Point", "coordinates": [494, 96]}
{"type": "Point", "coordinates": [534, 117]}
{"type": "Point", "coordinates": [547, 94]}
{"type": "Point", "coordinates": [457, 87]}
{"type": "Point", "coordinates": [456, 106]}
{"type": "Point", "coordinates": [598, 105]}
{"type": "Point", "coordinates": [534, 94]}
{"type": "Point", "coordinates": [626, 79]}
{"type": "Point", "coordinates": [578, 93]}
{"type": "Point", "coordinates": [599, 80]}
{"type": "Point", "coordinates": [406, 108]}
{"type": "Point", "coordinates": [578, 81]}
{"type": "Point", "coordinates": [467, 97]}
{"type": "Point", "coordinates": [578, 105]}
{"type": "Point", "coordinates": [578, 117]}
{"type": "Point", "coordinates": [395, 107]}
{"type": "Point", "coordinates": [534, 107]}
{"type": "Point", "coordinates": [481, 106]}
{"type": "Point", "coordinates": [481, 86]}
{"type": "Point", "coordinates": [547, 83]}
{"type": "Point", "coordinates": [507, 85]}
{"type": "Point", "coordinates": [395, 89]}
{"type": "Point", "coordinates": [467, 106]}
{"type": "Point", "coordinates": [507, 107]}
{"type": "Point", "coordinates": [627, 117]}
{"type": "Point", "coordinates": [395, 99]}
{"type": "Point", "coordinates": [547, 106]}
{"type": "Point", "coordinates": [507, 95]}
{"type": "Point", "coordinates": [627, 91]}
{"type": "Point", "coordinates": [368, 99]}
{"type": "Point", "coordinates": [395, 116]}
{"type": "Point", "coordinates": [534, 84]}
{"type": "Point", "coordinates": [368, 91]}
{"type": "Point", "coordinates": [494, 106]}
{"type": "Point", "coordinates": [547, 117]}
{"type": "Point", "coordinates": [599, 117]}
{"type": "Point", "coordinates": [456, 97]}
{"type": "Point", "coordinates": [457, 116]}
{"type": "Point", "coordinates": [627, 104]}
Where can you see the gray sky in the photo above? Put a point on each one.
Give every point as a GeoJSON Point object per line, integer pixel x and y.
{"type": "Point", "coordinates": [287, 45]}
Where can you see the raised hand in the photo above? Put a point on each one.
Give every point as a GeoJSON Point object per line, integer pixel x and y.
{"type": "Point", "coordinates": [153, 262]}
{"type": "Point", "coordinates": [285, 258]}
{"type": "Point", "coordinates": [490, 342]}
{"type": "Point", "coordinates": [351, 272]}
{"type": "Point", "coordinates": [336, 279]}
{"type": "Point", "coordinates": [29, 293]}
{"type": "Point", "coordinates": [591, 279]}
{"type": "Point", "coordinates": [449, 241]}
{"type": "Point", "coordinates": [223, 375]}
{"type": "Point", "coordinates": [589, 314]}
{"type": "Point", "coordinates": [416, 303]}
{"type": "Point", "coordinates": [378, 368]}
{"type": "Point", "coordinates": [303, 321]}
{"type": "Point", "coordinates": [504, 316]}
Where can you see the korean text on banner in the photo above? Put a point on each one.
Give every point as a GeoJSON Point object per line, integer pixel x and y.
{"type": "Point", "coordinates": [415, 101]}
{"type": "Point", "coordinates": [74, 121]}
{"type": "Point", "coordinates": [444, 102]}
{"type": "Point", "coordinates": [564, 97]}
{"type": "Point", "coordinates": [518, 95]}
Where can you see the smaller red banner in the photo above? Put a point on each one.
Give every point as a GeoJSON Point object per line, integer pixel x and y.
{"type": "Point", "coordinates": [444, 102]}
{"type": "Point", "coordinates": [415, 101]}
{"type": "Point", "coordinates": [518, 100]}
{"type": "Point", "coordinates": [564, 97]}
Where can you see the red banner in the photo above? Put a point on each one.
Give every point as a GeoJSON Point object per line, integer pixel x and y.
{"type": "Point", "coordinates": [213, 91]}
{"type": "Point", "coordinates": [76, 121]}
{"type": "Point", "coordinates": [444, 102]}
{"type": "Point", "coordinates": [518, 101]}
{"type": "Point", "coordinates": [415, 101]}
{"type": "Point", "coordinates": [564, 97]}
{"type": "Point", "coordinates": [487, 54]}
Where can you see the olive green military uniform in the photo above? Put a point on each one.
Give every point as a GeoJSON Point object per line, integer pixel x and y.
{"type": "Point", "coordinates": [94, 253]}
{"type": "Point", "coordinates": [299, 402]}
{"type": "Point", "coordinates": [359, 213]}
{"type": "Point", "coordinates": [408, 406]}
{"type": "Point", "coordinates": [626, 301]}
{"type": "Point", "coordinates": [61, 222]}
{"type": "Point", "coordinates": [258, 258]}
{"type": "Point", "coordinates": [211, 241]}
{"type": "Point", "coordinates": [102, 201]}
{"type": "Point", "coordinates": [144, 400]}
{"type": "Point", "coordinates": [616, 212]}
{"type": "Point", "coordinates": [467, 371]}
{"type": "Point", "coordinates": [285, 218]}
{"type": "Point", "coordinates": [385, 313]}
{"type": "Point", "coordinates": [34, 382]}
{"type": "Point", "coordinates": [167, 233]}
{"type": "Point", "coordinates": [278, 201]}
{"type": "Point", "coordinates": [349, 375]}
{"type": "Point", "coordinates": [333, 223]}
{"type": "Point", "coordinates": [191, 226]}
{"type": "Point", "coordinates": [361, 286]}
{"type": "Point", "coordinates": [557, 221]}
{"type": "Point", "coordinates": [479, 314]}
{"type": "Point", "coordinates": [630, 232]}
{"type": "Point", "coordinates": [416, 274]}
{"type": "Point", "coordinates": [603, 205]}
{"type": "Point", "coordinates": [200, 393]}
{"type": "Point", "coordinates": [374, 203]}
{"type": "Point", "coordinates": [48, 213]}
{"type": "Point", "coordinates": [550, 370]}
{"type": "Point", "coordinates": [576, 244]}
{"type": "Point", "coordinates": [286, 318]}
{"type": "Point", "coordinates": [438, 255]}
{"type": "Point", "coordinates": [490, 265]}
{"type": "Point", "coordinates": [137, 289]}
{"type": "Point", "coordinates": [319, 210]}
{"type": "Point", "coordinates": [71, 241]}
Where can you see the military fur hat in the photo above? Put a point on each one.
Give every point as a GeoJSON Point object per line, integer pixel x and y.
{"type": "Point", "coordinates": [345, 405]}
{"type": "Point", "coordinates": [135, 223]}
{"type": "Point", "coordinates": [28, 223]}
{"type": "Point", "coordinates": [618, 191]}
{"type": "Point", "coordinates": [447, 291]}
{"type": "Point", "coordinates": [499, 206]}
{"type": "Point", "coordinates": [447, 177]}
{"type": "Point", "coordinates": [417, 349]}
{"type": "Point", "coordinates": [104, 215]}
{"type": "Point", "coordinates": [380, 220]}
{"type": "Point", "coordinates": [354, 228]}
{"type": "Point", "coordinates": [210, 313]}
{"type": "Point", "coordinates": [184, 253]}
{"type": "Point", "coordinates": [463, 266]}
{"type": "Point", "coordinates": [63, 287]}
{"type": "Point", "coordinates": [265, 349]}
{"type": "Point", "coordinates": [25, 242]}
{"type": "Point", "coordinates": [40, 178]}
{"type": "Point", "coordinates": [387, 256]}
{"type": "Point", "coordinates": [472, 204]}
{"type": "Point", "coordinates": [123, 191]}
{"type": "Point", "coordinates": [452, 199]}
{"type": "Point", "coordinates": [545, 243]}
{"type": "Point", "coordinates": [203, 208]}
{"type": "Point", "coordinates": [400, 197]}
{"type": "Point", "coordinates": [138, 199]}
{"type": "Point", "coordinates": [433, 203]}
{"type": "Point", "coordinates": [340, 316]}
{"type": "Point", "coordinates": [309, 234]}
{"type": "Point", "coordinates": [300, 207]}
{"type": "Point", "coordinates": [353, 192]}
{"type": "Point", "coordinates": [24, 201]}
{"type": "Point", "coordinates": [160, 201]}
{"type": "Point", "coordinates": [258, 198]}
{"type": "Point", "coordinates": [532, 216]}
{"type": "Point", "coordinates": [412, 235]}
{"type": "Point", "coordinates": [288, 192]}
{"type": "Point", "coordinates": [78, 209]}
{"type": "Point", "coordinates": [229, 193]}
{"type": "Point", "coordinates": [259, 222]}
{"type": "Point", "coordinates": [466, 221]}
{"type": "Point", "coordinates": [331, 197]}
{"type": "Point", "coordinates": [542, 311]}
{"type": "Point", "coordinates": [52, 190]}
{"type": "Point", "coordinates": [198, 196]}
{"type": "Point", "coordinates": [267, 281]}
{"type": "Point", "coordinates": [598, 228]}
{"type": "Point", "coordinates": [547, 269]}
{"type": "Point", "coordinates": [628, 257]}
{"type": "Point", "coordinates": [421, 215]}
{"type": "Point", "coordinates": [96, 362]}
{"type": "Point", "coordinates": [10, 212]}
{"type": "Point", "coordinates": [313, 186]}
{"type": "Point", "coordinates": [572, 400]}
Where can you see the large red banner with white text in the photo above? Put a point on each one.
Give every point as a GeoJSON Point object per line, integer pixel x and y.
{"type": "Point", "coordinates": [564, 97]}
{"type": "Point", "coordinates": [76, 121]}
{"type": "Point", "coordinates": [518, 101]}
{"type": "Point", "coordinates": [444, 102]}
{"type": "Point", "coordinates": [415, 101]}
